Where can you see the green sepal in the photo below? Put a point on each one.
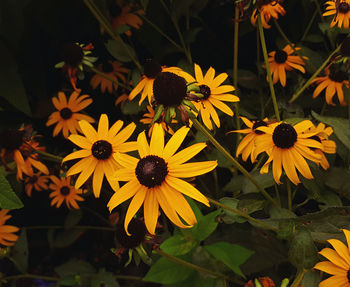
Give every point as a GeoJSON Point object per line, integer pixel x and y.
{"type": "Point", "coordinates": [257, 283]}
{"type": "Point", "coordinates": [129, 259]}
{"type": "Point", "coordinates": [60, 65]}
{"type": "Point", "coordinates": [190, 105]}
{"type": "Point", "coordinates": [158, 113]}
{"type": "Point", "coordinates": [199, 95]}
{"type": "Point", "coordinates": [168, 116]}
{"type": "Point", "coordinates": [172, 112]}
{"type": "Point", "coordinates": [192, 87]}
{"type": "Point", "coordinates": [285, 282]}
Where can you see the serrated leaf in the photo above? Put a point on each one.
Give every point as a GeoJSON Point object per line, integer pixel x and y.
{"type": "Point", "coordinates": [19, 252]}
{"type": "Point", "coordinates": [178, 245]}
{"type": "Point", "coordinates": [232, 255]}
{"type": "Point", "coordinates": [8, 198]}
{"type": "Point", "coordinates": [73, 218]}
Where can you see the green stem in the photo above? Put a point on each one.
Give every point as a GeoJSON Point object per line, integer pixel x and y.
{"type": "Point", "coordinates": [108, 78]}
{"type": "Point", "coordinates": [297, 280]}
{"type": "Point", "coordinates": [101, 228]}
{"type": "Point", "coordinates": [277, 194]}
{"type": "Point", "coordinates": [289, 190]}
{"type": "Point", "coordinates": [309, 25]}
{"type": "Point", "coordinates": [226, 154]}
{"type": "Point", "coordinates": [268, 70]}
{"type": "Point", "coordinates": [235, 70]}
{"type": "Point", "coordinates": [242, 214]}
{"type": "Point", "coordinates": [319, 70]}
{"type": "Point", "coordinates": [198, 268]}
{"type": "Point", "coordinates": [48, 156]}
{"type": "Point", "coordinates": [105, 24]}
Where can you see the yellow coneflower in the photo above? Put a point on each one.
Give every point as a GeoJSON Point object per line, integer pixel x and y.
{"type": "Point", "coordinates": [333, 83]}
{"type": "Point", "coordinates": [7, 236]}
{"type": "Point", "coordinates": [267, 9]}
{"type": "Point", "coordinates": [341, 9]}
{"type": "Point", "coordinates": [151, 70]}
{"type": "Point", "coordinates": [247, 145]}
{"type": "Point", "coordinates": [338, 264]}
{"type": "Point", "coordinates": [64, 191]}
{"type": "Point", "coordinates": [37, 181]}
{"type": "Point", "coordinates": [287, 147]}
{"type": "Point", "coordinates": [98, 148]}
{"type": "Point", "coordinates": [155, 179]}
{"type": "Point", "coordinates": [214, 94]}
{"type": "Point", "coordinates": [148, 117]}
{"type": "Point", "coordinates": [282, 60]}
{"type": "Point", "coordinates": [67, 116]}
{"type": "Point", "coordinates": [114, 70]}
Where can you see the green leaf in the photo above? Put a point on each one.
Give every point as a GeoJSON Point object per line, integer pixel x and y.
{"type": "Point", "coordinates": [132, 107]}
{"type": "Point", "coordinates": [63, 238]}
{"type": "Point", "coordinates": [195, 280]}
{"type": "Point", "coordinates": [190, 35]}
{"type": "Point", "coordinates": [232, 255]}
{"type": "Point", "coordinates": [311, 278]}
{"type": "Point", "coordinates": [165, 271]}
{"type": "Point", "coordinates": [205, 226]}
{"type": "Point", "coordinates": [74, 267]}
{"type": "Point", "coordinates": [103, 278]}
{"type": "Point", "coordinates": [265, 180]}
{"type": "Point", "coordinates": [120, 50]}
{"type": "Point", "coordinates": [178, 245]}
{"type": "Point", "coordinates": [19, 252]}
{"type": "Point", "coordinates": [73, 218]}
{"type": "Point", "coordinates": [8, 198]}
{"type": "Point", "coordinates": [338, 179]}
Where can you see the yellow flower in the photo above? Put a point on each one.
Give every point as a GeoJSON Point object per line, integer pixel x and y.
{"type": "Point", "coordinates": [67, 116]}
{"type": "Point", "coordinates": [287, 146]}
{"type": "Point", "coordinates": [7, 236]}
{"type": "Point", "coordinates": [282, 60]}
{"type": "Point", "coordinates": [341, 9]}
{"type": "Point", "coordinates": [247, 145]}
{"type": "Point", "coordinates": [214, 95]}
{"type": "Point", "coordinates": [97, 152]}
{"type": "Point", "coordinates": [155, 179]}
{"type": "Point", "coordinates": [37, 182]}
{"type": "Point", "coordinates": [266, 10]}
{"type": "Point", "coordinates": [64, 191]}
{"type": "Point", "coordinates": [112, 69]}
{"type": "Point", "coordinates": [338, 264]}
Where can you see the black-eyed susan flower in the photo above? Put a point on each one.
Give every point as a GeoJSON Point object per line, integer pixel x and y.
{"type": "Point", "coordinates": [74, 56]}
{"type": "Point", "coordinates": [247, 145]}
{"type": "Point", "coordinates": [333, 82]}
{"type": "Point", "coordinates": [338, 264]}
{"type": "Point", "coordinates": [150, 72]}
{"type": "Point", "coordinates": [67, 116]}
{"type": "Point", "coordinates": [112, 69]}
{"type": "Point", "coordinates": [64, 191]}
{"type": "Point", "coordinates": [341, 10]}
{"type": "Point", "coordinates": [214, 94]}
{"type": "Point", "coordinates": [37, 181]}
{"type": "Point", "coordinates": [287, 147]}
{"type": "Point", "coordinates": [155, 179]}
{"type": "Point", "coordinates": [98, 148]}
{"type": "Point", "coordinates": [282, 60]}
{"type": "Point", "coordinates": [7, 236]}
{"type": "Point", "coordinates": [267, 9]}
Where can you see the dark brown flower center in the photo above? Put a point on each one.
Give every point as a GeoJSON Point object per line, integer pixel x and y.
{"type": "Point", "coordinates": [284, 136]}
{"type": "Point", "coordinates": [66, 113]}
{"type": "Point", "coordinates": [151, 69]}
{"type": "Point", "coordinates": [115, 10]}
{"type": "Point", "coordinates": [72, 54]}
{"type": "Point", "coordinates": [205, 91]}
{"type": "Point", "coordinates": [64, 190]}
{"type": "Point", "coordinates": [259, 124]}
{"type": "Point", "coordinates": [345, 47]}
{"type": "Point", "coordinates": [338, 76]}
{"type": "Point", "coordinates": [11, 139]}
{"type": "Point", "coordinates": [281, 56]}
{"type": "Point", "coordinates": [137, 230]}
{"type": "Point", "coordinates": [343, 8]}
{"type": "Point", "coordinates": [107, 67]}
{"type": "Point", "coordinates": [33, 179]}
{"type": "Point", "coordinates": [151, 171]}
{"type": "Point", "coordinates": [169, 89]}
{"type": "Point", "coordinates": [101, 149]}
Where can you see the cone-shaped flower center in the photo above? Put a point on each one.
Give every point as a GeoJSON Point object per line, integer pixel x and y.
{"type": "Point", "coordinates": [66, 113]}
{"type": "Point", "coordinates": [281, 56]}
{"type": "Point", "coordinates": [107, 67]}
{"type": "Point", "coordinates": [151, 171]}
{"type": "Point", "coordinates": [169, 89]}
{"type": "Point", "coordinates": [115, 10]}
{"type": "Point", "coordinates": [284, 136]}
{"type": "Point", "coordinates": [205, 91]}
{"type": "Point", "coordinates": [338, 76]}
{"type": "Point", "coordinates": [345, 47]}
{"type": "Point", "coordinates": [136, 228]}
{"type": "Point", "coordinates": [11, 139]}
{"type": "Point", "coordinates": [72, 54]}
{"type": "Point", "coordinates": [343, 8]}
{"type": "Point", "coordinates": [151, 69]}
{"type": "Point", "coordinates": [101, 149]}
{"type": "Point", "coordinates": [33, 179]}
{"type": "Point", "coordinates": [64, 190]}
{"type": "Point", "coordinates": [259, 124]}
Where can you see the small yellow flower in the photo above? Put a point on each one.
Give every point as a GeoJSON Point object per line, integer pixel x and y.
{"type": "Point", "coordinates": [266, 10]}
{"type": "Point", "coordinates": [7, 236]}
{"type": "Point", "coordinates": [37, 181]}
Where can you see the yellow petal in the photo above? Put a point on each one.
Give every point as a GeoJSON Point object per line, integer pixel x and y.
{"type": "Point", "coordinates": [186, 154]}
{"type": "Point", "coordinates": [191, 169]}
{"type": "Point", "coordinates": [142, 145]}
{"type": "Point", "coordinates": [127, 191]}
{"type": "Point", "coordinates": [175, 142]}
{"type": "Point", "coordinates": [157, 140]}
{"type": "Point", "coordinates": [150, 211]}
{"type": "Point", "coordinates": [134, 206]}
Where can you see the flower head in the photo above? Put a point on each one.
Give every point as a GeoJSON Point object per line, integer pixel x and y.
{"type": "Point", "coordinates": [37, 181]}
{"type": "Point", "coordinates": [287, 146]}
{"type": "Point", "coordinates": [341, 9]}
{"type": "Point", "coordinates": [64, 191]}
{"type": "Point", "coordinates": [7, 236]}
{"type": "Point", "coordinates": [282, 60]}
{"type": "Point", "coordinates": [338, 264]}
{"type": "Point", "coordinates": [155, 179]}
{"type": "Point", "coordinates": [114, 70]}
{"type": "Point", "coordinates": [98, 148]}
{"type": "Point", "coordinates": [67, 116]}
{"type": "Point", "coordinates": [267, 9]}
